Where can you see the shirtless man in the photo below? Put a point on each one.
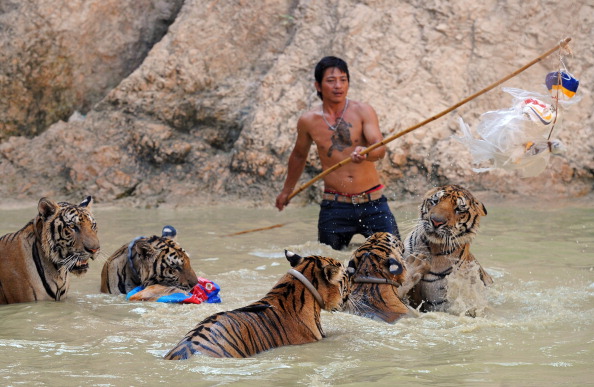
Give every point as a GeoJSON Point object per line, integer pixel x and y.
{"type": "Point", "coordinates": [353, 202]}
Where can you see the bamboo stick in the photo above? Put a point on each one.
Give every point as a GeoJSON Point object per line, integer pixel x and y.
{"type": "Point", "coordinates": [256, 229]}
{"type": "Point", "coordinates": [562, 44]}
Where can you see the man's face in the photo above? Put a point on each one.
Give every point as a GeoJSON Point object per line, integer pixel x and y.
{"type": "Point", "coordinates": [334, 86]}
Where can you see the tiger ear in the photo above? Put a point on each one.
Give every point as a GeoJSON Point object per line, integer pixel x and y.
{"type": "Point", "coordinates": [482, 209]}
{"type": "Point", "coordinates": [293, 258]}
{"type": "Point", "coordinates": [46, 207]}
{"type": "Point", "coordinates": [394, 266]}
{"type": "Point", "coordinates": [351, 267]}
{"type": "Point", "coordinates": [144, 249]}
{"type": "Point", "coordinates": [332, 273]}
{"type": "Point", "coordinates": [87, 202]}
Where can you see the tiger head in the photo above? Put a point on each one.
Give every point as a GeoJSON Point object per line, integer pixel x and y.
{"type": "Point", "coordinates": [376, 271]}
{"type": "Point", "coordinates": [328, 277]}
{"type": "Point", "coordinates": [161, 260]}
{"type": "Point", "coordinates": [450, 216]}
{"type": "Point", "coordinates": [68, 234]}
{"type": "Point", "coordinates": [380, 256]}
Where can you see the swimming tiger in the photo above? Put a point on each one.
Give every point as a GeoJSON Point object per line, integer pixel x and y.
{"type": "Point", "coordinates": [448, 223]}
{"type": "Point", "coordinates": [146, 261]}
{"type": "Point", "coordinates": [36, 261]}
{"type": "Point", "coordinates": [289, 314]}
{"type": "Point", "coordinates": [378, 276]}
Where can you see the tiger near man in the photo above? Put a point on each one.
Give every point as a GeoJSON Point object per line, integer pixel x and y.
{"type": "Point", "coordinates": [448, 223]}
{"type": "Point", "coordinates": [36, 261]}
{"type": "Point", "coordinates": [380, 278]}
{"type": "Point", "coordinates": [288, 315]}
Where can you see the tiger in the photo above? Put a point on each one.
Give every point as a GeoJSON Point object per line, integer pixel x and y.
{"type": "Point", "coordinates": [448, 223]}
{"type": "Point", "coordinates": [36, 261]}
{"type": "Point", "coordinates": [288, 315]}
{"type": "Point", "coordinates": [379, 276]}
{"type": "Point", "coordinates": [158, 263]}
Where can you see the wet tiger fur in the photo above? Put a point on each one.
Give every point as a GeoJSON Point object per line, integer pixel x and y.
{"type": "Point", "coordinates": [289, 314]}
{"type": "Point", "coordinates": [378, 276]}
{"type": "Point", "coordinates": [146, 261]}
{"type": "Point", "coordinates": [36, 261]}
{"type": "Point", "coordinates": [448, 223]}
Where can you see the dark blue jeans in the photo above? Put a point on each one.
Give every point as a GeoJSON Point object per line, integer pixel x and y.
{"type": "Point", "coordinates": [339, 222]}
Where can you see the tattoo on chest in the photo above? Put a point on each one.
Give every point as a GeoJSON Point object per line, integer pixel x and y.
{"type": "Point", "coordinates": [341, 138]}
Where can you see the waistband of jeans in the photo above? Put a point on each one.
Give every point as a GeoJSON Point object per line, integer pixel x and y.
{"type": "Point", "coordinates": [364, 197]}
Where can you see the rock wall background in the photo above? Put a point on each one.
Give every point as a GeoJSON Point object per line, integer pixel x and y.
{"type": "Point", "coordinates": [185, 102]}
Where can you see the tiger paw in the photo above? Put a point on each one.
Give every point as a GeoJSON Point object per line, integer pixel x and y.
{"type": "Point", "coordinates": [417, 265]}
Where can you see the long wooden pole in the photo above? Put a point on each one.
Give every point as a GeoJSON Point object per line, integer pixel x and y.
{"type": "Point", "coordinates": [256, 229]}
{"type": "Point", "coordinates": [562, 44]}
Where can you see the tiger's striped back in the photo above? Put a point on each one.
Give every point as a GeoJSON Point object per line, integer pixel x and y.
{"type": "Point", "coordinates": [289, 314]}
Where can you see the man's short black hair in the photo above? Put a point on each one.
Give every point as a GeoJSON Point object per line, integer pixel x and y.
{"type": "Point", "coordinates": [330, 62]}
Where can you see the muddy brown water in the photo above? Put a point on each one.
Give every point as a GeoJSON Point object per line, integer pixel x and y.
{"type": "Point", "coordinates": [536, 329]}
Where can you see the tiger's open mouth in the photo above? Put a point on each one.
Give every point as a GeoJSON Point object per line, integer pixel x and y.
{"type": "Point", "coordinates": [81, 266]}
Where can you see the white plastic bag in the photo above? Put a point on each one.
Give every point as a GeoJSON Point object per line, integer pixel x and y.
{"type": "Point", "coordinates": [518, 138]}
{"type": "Point", "coordinates": [508, 148]}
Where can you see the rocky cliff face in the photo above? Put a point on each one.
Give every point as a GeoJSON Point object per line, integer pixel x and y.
{"type": "Point", "coordinates": [209, 113]}
{"type": "Point", "coordinates": [63, 56]}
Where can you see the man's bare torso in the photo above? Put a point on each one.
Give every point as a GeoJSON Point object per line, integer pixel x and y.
{"type": "Point", "coordinates": [336, 145]}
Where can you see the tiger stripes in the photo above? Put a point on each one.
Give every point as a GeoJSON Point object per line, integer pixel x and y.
{"type": "Point", "coordinates": [449, 219]}
{"type": "Point", "coordinates": [377, 271]}
{"type": "Point", "coordinates": [36, 261]}
{"type": "Point", "coordinates": [147, 261]}
{"type": "Point", "coordinates": [288, 315]}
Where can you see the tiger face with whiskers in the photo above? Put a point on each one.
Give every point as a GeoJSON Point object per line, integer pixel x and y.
{"type": "Point", "coordinates": [448, 223]}
{"type": "Point", "coordinates": [37, 261]}
{"type": "Point", "coordinates": [379, 278]}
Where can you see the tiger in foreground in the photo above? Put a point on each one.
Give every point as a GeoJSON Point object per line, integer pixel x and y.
{"type": "Point", "coordinates": [448, 223]}
{"type": "Point", "coordinates": [379, 278]}
{"type": "Point", "coordinates": [36, 261]}
{"type": "Point", "coordinates": [158, 263]}
{"type": "Point", "coordinates": [289, 314]}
